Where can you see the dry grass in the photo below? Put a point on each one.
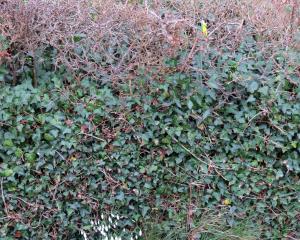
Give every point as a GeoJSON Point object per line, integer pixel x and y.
{"type": "Point", "coordinates": [110, 40]}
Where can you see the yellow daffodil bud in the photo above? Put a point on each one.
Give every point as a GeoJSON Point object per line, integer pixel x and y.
{"type": "Point", "coordinates": [204, 28]}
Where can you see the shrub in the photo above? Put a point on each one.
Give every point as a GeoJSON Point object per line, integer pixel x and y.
{"type": "Point", "coordinates": [115, 41]}
{"type": "Point", "coordinates": [185, 136]}
{"type": "Point", "coordinates": [225, 139]}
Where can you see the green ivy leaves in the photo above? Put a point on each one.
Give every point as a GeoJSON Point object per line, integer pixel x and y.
{"type": "Point", "coordinates": [229, 141]}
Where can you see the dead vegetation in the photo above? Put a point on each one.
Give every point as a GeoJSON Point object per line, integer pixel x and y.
{"type": "Point", "coordinates": [111, 40]}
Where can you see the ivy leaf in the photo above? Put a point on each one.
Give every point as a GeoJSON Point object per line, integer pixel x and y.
{"type": "Point", "coordinates": [253, 86]}
{"type": "Point", "coordinates": [6, 172]}
{"type": "Point", "coordinates": [264, 90]}
{"type": "Point", "coordinates": [279, 174]}
{"type": "Point", "coordinates": [213, 84]}
{"type": "Point", "coordinates": [120, 196]}
{"type": "Point", "coordinates": [145, 210]}
{"type": "Point", "coordinates": [190, 104]}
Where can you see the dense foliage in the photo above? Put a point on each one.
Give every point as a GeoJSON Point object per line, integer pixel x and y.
{"type": "Point", "coordinates": [206, 155]}
{"type": "Point", "coordinates": [138, 120]}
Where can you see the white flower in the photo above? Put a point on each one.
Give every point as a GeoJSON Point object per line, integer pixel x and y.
{"type": "Point", "coordinates": [84, 234]}
{"type": "Point", "coordinates": [140, 233]}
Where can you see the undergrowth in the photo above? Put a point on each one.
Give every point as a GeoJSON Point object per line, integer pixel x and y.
{"type": "Point", "coordinates": [146, 128]}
